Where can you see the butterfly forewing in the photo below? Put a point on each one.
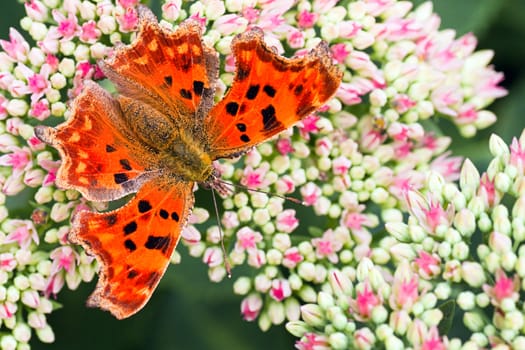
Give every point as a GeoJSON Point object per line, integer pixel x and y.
{"type": "Point", "coordinates": [172, 71]}
{"type": "Point", "coordinates": [99, 158]}
{"type": "Point", "coordinates": [269, 94]}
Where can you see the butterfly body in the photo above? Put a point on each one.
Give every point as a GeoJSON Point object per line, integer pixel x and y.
{"type": "Point", "coordinates": [177, 151]}
{"type": "Point", "coordinates": [161, 135]}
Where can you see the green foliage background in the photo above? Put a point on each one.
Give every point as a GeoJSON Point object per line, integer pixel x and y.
{"type": "Point", "coordinates": [189, 312]}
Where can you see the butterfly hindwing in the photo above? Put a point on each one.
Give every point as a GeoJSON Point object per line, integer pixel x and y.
{"type": "Point", "coordinates": [134, 243]}
{"type": "Point", "coordinates": [98, 158]}
{"type": "Point", "coordinates": [173, 71]}
{"type": "Point", "coordinates": [269, 94]}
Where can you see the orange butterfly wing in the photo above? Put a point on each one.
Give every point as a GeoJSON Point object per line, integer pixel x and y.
{"type": "Point", "coordinates": [269, 94]}
{"type": "Point", "coordinates": [170, 70]}
{"type": "Point", "coordinates": [99, 158]}
{"type": "Point", "coordinates": [134, 243]}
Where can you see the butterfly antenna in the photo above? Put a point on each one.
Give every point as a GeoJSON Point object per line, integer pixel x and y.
{"type": "Point", "coordinates": [288, 198]}
{"type": "Point", "coordinates": [225, 256]}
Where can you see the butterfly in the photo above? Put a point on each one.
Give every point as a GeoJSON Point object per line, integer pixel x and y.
{"type": "Point", "coordinates": [161, 134]}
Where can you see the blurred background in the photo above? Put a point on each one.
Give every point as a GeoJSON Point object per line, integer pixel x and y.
{"type": "Point", "coordinates": [189, 312]}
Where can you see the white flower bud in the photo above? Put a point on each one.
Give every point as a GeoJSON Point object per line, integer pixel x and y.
{"type": "Point", "coordinates": [31, 298]}
{"type": "Point", "coordinates": [242, 286]}
{"type": "Point", "coordinates": [17, 108]}
{"type": "Point", "coordinates": [8, 342]}
{"type": "Point", "coordinates": [107, 24]}
{"type": "Point", "coordinates": [306, 270]}
{"type": "Point", "coordinates": [378, 98]}
{"type": "Point", "coordinates": [81, 53]}
{"type": "Point", "coordinates": [45, 334]}
{"type": "Point", "coordinates": [224, 45]}
{"type": "Point", "coordinates": [214, 9]}
{"type": "Point", "coordinates": [67, 47]}
{"type": "Point", "coordinates": [37, 281]}
{"type": "Point", "coordinates": [38, 31]}
{"type": "Point", "coordinates": [98, 50]}
{"type": "Point", "coordinates": [67, 67]}
{"type": "Point", "coordinates": [36, 320]}
{"type": "Point", "coordinates": [497, 146]}
{"type": "Point", "coordinates": [44, 195]}
{"type": "Point", "coordinates": [13, 294]}
{"type": "Point", "coordinates": [58, 109]}
{"type": "Point", "coordinates": [21, 332]}
{"type": "Point", "coordinates": [473, 273]}
{"type": "Point", "coordinates": [36, 57]}
{"type": "Point", "coordinates": [281, 241]}
{"type": "Point", "coordinates": [276, 312]}
{"type": "Point", "coordinates": [21, 282]}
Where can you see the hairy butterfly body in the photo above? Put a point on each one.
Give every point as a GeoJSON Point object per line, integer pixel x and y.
{"type": "Point", "coordinates": [160, 136]}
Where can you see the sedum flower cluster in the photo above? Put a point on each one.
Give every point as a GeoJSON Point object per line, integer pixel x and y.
{"type": "Point", "coordinates": [394, 231]}
{"type": "Point", "coordinates": [458, 248]}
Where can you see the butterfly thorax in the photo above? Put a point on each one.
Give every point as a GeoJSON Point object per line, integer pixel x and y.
{"type": "Point", "coordinates": [177, 149]}
{"type": "Point", "coordinates": [187, 159]}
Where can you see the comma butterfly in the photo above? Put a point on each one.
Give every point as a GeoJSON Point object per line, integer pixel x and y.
{"type": "Point", "coordinates": [160, 136]}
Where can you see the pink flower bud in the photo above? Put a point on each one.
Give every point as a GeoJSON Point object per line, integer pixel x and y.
{"type": "Point", "coordinates": [251, 306]}
{"type": "Point", "coordinates": [213, 257]}
{"type": "Point", "coordinates": [17, 48]}
{"type": "Point", "coordinates": [36, 10]}
{"type": "Point", "coordinates": [7, 310]}
{"type": "Point", "coordinates": [286, 221]}
{"type": "Point", "coordinates": [30, 298]}
{"type": "Point", "coordinates": [256, 258]}
{"type": "Point", "coordinates": [292, 257]}
{"type": "Point", "coordinates": [280, 289]}
{"type": "Point", "coordinates": [340, 283]}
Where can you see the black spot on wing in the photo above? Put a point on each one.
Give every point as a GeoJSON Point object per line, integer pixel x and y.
{"type": "Point", "coordinates": [175, 216]}
{"type": "Point", "coordinates": [298, 89]}
{"type": "Point", "coordinates": [120, 178]}
{"type": "Point", "coordinates": [232, 108]}
{"type": "Point", "coordinates": [110, 149]}
{"type": "Point", "coordinates": [130, 227]}
{"type": "Point", "coordinates": [269, 118]}
{"type": "Point", "coordinates": [158, 242]}
{"type": "Point", "coordinates": [243, 72]}
{"type": "Point", "coordinates": [241, 127]}
{"type": "Point", "coordinates": [168, 80]}
{"type": "Point", "coordinates": [269, 90]}
{"type": "Point", "coordinates": [144, 206]}
{"type": "Point", "coordinates": [164, 214]}
{"type": "Point", "coordinates": [125, 164]}
{"type": "Point", "coordinates": [198, 87]}
{"type": "Point", "coordinates": [111, 219]}
{"type": "Point", "coordinates": [185, 94]}
{"type": "Point", "coordinates": [245, 138]}
{"type": "Point", "coordinates": [252, 92]}
{"type": "Point", "coordinates": [130, 245]}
